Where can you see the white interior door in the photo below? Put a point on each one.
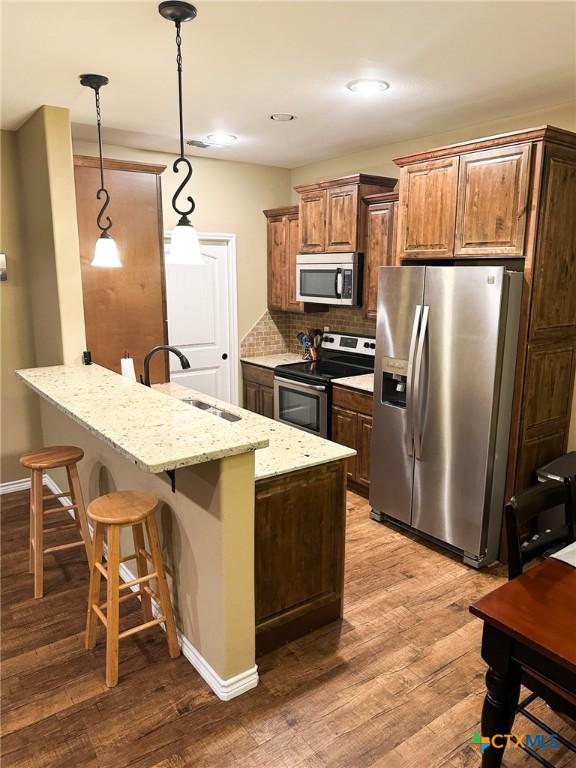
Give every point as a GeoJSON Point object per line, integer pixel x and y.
{"type": "Point", "coordinates": [201, 310]}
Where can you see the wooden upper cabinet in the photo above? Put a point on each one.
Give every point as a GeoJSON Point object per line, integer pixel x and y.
{"type": "Point", "coordinates": [492, 202]}
{"type": "Point", "coordinates": [292, 226]}
{"type": "Point", "coordinates": [333, 215]}
{"type": "Point", "coordinates": [381, 212]}
{"type": "Point", "coordinates": [313, 221]}
{"type": "Point", "coordinates": [427, 209]}
{"type": "Point", "coordinates": [276, 262]}
{"type": "Point", "coordinates": [342, 218]}
{"type": "Point", "coordinates": [283, 246]}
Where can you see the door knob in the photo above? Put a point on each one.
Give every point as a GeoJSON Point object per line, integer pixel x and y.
{"type": "Point", "coordinates": [224, 356]}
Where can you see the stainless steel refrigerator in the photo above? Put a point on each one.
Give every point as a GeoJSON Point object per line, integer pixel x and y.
{"type": "Point", "coordinates": [444, 374]}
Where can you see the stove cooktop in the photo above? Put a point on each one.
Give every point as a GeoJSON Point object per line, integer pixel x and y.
{"type": "Point", "coordinates": [341, 356]}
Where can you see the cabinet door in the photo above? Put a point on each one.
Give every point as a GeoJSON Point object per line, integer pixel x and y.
{"type": "Point", "coordinates": [364, 449]}
{"type": "Point", "coordinates": [427, 209]}
{"type": "Point", "coordinates": [344, 431]}
{"type": "Point", "coordinates": [313, 221]}
{"type": "Point", "coordinates": [492, 202]}
{"type": "Point", "coordinates": [266, 401]}
{"type": "Point", "coordinates": [379, 251]}
{"type": "Point", "coordinates": [276, 262]}
{"type": "Point", "coordinates": [342, 219]}
{"type": "Point", "coordinates": [292, 225]}
{"type": "Point", "coordinates": [251, 397]}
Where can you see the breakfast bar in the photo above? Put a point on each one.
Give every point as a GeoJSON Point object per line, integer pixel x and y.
{"type": "Point", "coordinates": [253, 532]}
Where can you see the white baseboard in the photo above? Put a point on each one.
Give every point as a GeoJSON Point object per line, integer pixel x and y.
{"type": "Point", "coordinates": [15, 485]}
{"type": "Point", "coordinates": [224, 689]}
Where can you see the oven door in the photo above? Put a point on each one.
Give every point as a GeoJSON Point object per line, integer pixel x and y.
{"type": "Point", "coordinates": [300, 405]}
{"type": "Point", "coordinates": [326, 283]}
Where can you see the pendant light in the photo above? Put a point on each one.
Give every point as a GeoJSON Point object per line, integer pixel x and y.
{"type": "Point", "coordinates": [184, 245]}
{"type": "Point", "coordinates": [105, 252]}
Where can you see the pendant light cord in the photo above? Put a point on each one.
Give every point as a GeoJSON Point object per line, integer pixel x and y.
{"type": "Point", "coordinates": [181, 160]}
{"type": "Point", "coordinates": [102, 191]}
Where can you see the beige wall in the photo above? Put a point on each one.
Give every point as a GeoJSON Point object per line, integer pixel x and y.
{"type": "Point", "coordinates": [230, 197]}
{"type": "Point", "coordinates": [379, 160]}
{"type": "Point", "coordinates": [19, 410]}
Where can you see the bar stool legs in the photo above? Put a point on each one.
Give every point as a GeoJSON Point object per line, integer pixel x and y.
{"type": "Point", "coordinates": [54, 457]}
{"type": "Point", "coordinates": [112, 512]}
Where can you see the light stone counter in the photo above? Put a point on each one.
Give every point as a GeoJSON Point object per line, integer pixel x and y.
{"type": "Point", "coordinates": [288, 450]}
{"type": "Point", "coordinates": [363, 383]}
{"type": "Point", "coordinates": [156, 432]}
{"type": "Point", "coordinates": [271, 361]}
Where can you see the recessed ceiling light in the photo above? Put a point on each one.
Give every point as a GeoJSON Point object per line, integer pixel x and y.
{"type": "Point", "coordinates": [367, 86]}
{"type": "Point", "coordinates": [221, 139]}
{"type": "Point", "coordinates": [282, 117]}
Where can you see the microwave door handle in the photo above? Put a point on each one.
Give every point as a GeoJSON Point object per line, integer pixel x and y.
{"type": "Point", "coordinates": [338, 282]}
{"type": "Point", "coordinates": [418, 385]}
{"type": "Point", "coordinates": [409, 434]}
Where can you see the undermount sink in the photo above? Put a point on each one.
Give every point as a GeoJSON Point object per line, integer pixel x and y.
{"type": "Point", "coordinates": [211, 409]}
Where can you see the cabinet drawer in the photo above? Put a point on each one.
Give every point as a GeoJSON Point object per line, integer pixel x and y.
{"type": "Point", "coordinates": [258, 374]}
{"type": "Point", "coordinates": [352, 399]}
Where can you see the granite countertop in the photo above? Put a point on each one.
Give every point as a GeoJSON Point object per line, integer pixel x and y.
{"type": "Point", "coordinates": [288, 450]}
{"type": "Point", "coordinates": [271, 361]}
{"type": "Point", "coordinates": [154, 431]}
{"type": "Point", "coordinates": [364, 382]}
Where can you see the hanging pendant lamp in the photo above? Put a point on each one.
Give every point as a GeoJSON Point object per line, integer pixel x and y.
{"type": "Point", "coordinates": [184, 245]}
{"type": "Point", "coordinates": [105, 252]}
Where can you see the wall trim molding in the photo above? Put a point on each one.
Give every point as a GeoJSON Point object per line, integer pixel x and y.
{"type": "Point", "coordinates": [225, 689]}
{"type": "Point", "coordinates": [15, 485]}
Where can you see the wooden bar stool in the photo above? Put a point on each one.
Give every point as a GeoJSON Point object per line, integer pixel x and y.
{"type": "Point", "coordinates": [114, 511]}
{"type": "Point", "coordinates": [53, 457]}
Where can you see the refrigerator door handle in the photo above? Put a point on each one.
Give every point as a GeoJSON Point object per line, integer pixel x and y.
{"type": "Point", "coordinates": [417, 408]}
{"type": "Point", "coordinates": [409, 382]}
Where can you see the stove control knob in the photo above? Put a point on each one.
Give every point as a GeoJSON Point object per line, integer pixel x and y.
{"type": "Point", "coordinates": [331, 340]}
{"type": "Point", "coordinates": [372, 345]}
{"type": "Point", "coordinates": [326, 338]}
{"type": "Point", "coordinates": [366, 344]}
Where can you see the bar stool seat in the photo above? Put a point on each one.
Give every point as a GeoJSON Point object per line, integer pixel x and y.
{"type": "Point", "coordinates": [122, 508]}
{"type": "Point", "coordinates": [112, 512]}
{"type": "Point", "coordinates": [53, 457]}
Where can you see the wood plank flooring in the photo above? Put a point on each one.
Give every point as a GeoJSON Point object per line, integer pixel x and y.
{"type": "Point", "coordinates": [398, 684]}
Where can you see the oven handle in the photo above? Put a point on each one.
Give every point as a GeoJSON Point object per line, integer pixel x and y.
{"type": "Point", "coordinates": [318, 387]}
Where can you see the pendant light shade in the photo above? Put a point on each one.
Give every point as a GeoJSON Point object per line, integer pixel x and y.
{"type": "Point", "coordinates": [106, 252]}
{"type": "Point", "coordinates": [184, 246]}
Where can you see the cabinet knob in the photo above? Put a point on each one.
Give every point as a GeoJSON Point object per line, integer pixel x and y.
{"type": "Point", "coordinates": [224, 356]}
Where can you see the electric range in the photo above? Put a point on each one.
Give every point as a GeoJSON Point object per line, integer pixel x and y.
{"type": "Point", "coordinates": [303, 391]}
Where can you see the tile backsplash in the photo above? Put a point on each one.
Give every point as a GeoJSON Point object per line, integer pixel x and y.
{"type": "Point", "coordinates": [276, 331]}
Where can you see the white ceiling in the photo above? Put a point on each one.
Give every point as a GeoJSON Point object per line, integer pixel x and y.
{"type": "Point", "coordinates": [450, 64]}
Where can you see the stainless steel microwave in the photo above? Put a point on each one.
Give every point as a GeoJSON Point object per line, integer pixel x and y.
{"type": "Point", "coordinates": [329, 278]}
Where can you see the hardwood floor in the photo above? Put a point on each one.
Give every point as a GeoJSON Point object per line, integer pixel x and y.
{"type": "Point", "coordinates": [398, 684]}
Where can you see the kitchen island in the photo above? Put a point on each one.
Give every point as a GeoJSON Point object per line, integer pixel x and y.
{"type": "Point", "coordinates": [253, 534]}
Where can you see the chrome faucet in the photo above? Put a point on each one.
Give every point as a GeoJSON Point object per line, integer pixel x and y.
{"type": "Point", "coordinates": [184, 362]}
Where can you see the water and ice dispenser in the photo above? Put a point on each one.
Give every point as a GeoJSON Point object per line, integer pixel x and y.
{"type": "Point", "coordinates": [394, 377]}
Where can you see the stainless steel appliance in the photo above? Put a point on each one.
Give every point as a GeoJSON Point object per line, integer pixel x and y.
{"type": "Point", "coordinates": [444, 373]}
{"type": "Point", "coordinates": [303, 391]}
{"type": "Point", "coordinates": [329, 278]}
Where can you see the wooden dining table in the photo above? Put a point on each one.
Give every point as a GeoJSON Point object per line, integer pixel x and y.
{"type": "Point", "coordinates": [529, 629]}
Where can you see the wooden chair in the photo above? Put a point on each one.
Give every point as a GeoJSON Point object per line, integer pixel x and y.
{"type": "Point", "coordinates": [54, 457]}
{"type": "Point", "coordinates": [114, 511]}
{"type": "Point", "coordinates": [529, 506]}
{"type": "Point", "coordinates": [522, 509]}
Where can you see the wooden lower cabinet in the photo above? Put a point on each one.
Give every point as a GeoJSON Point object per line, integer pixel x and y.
{"type": "Point", "coordinates": [352, 427]}
{"type": "Point", "coordinates": [300, 521]}
{"type": "Point", "coordinates": [258, 389]}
